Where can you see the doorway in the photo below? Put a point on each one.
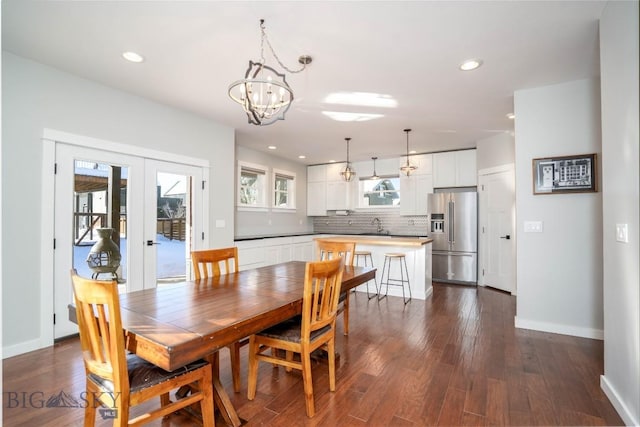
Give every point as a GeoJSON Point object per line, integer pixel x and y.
{"type": "Point", "coordinates": [497, 228]}
{"type": "Point", "coordinates": [154, 211]}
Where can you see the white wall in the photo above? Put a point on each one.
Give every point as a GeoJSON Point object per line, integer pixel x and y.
{"type": "Point", "coordinates": [495, 151]}
{"type": "Point", "coordinates": [559, 271]}
{"type": "Point", "coordinates": [35, 97]}
{"type": "Point", "coordinates": [620, 189]}
{"type": "Point", "coordinates": [274, 222]}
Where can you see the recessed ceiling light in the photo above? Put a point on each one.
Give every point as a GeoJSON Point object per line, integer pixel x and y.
{"type": "Point", "coordinates": [342, 116]}
{"type": "Point", "coordinates": [132, 56]}
{"type": "Point", "coordinates": [412, 152]}
{"type": "Point", "coordinates": [272, 147]}
{"type": "Point", "coordinates": [302, 156]}
{"type": "Point", "coordinates": [332, 161]}
{"type": "Point", "coordinates": [470, 64]}
{"type": "Point", "coordinates": [363, 99]}
{"type": "Point", "coordinates": [511, 116]}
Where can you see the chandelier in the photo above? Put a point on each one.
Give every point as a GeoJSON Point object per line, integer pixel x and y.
{"type": "Point", "coordinates": [407, 168]}
{"type": "Point", "coordinates": [264, 94]}
{"type": "Point", "coordinates": [348, 173]}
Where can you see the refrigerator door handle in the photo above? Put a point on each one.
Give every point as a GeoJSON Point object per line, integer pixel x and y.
{"type": "Point", "coordinates": [459, 254]}
{"type": "Point", "coordinates": [452, 238]}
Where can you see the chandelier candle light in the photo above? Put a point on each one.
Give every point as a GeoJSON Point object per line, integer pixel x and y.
{"type": "Point", "coordinates": [407, 168]}
{"type": "Point", "coordinates": [348, 173]}
{"type": "Point", "coordinates": [264, 94]}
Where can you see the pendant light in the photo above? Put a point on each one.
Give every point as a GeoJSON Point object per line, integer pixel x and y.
{"type": "Point", "coordinates": [375, 175]}
{"type": "Point", "coordinates": [407, 168]}
{"type": "Point", "coordinates": [348, 173]}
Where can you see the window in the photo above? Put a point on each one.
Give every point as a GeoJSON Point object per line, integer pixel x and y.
{"type": "Point", "coordinates": [379, 192]}
{"type": "Point", "coordinates": [252, 185]}
{"type": "Point", "coordinates": [284, 189]}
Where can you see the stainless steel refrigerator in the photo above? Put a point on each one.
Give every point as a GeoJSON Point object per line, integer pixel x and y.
{"type": "Point", "coordinates": [453, 219]}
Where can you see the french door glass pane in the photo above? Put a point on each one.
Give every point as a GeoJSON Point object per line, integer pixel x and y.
{"type": "Point", "coordinates": [173, 224]}
{"type": "Point", "coordinates": [100, 201]}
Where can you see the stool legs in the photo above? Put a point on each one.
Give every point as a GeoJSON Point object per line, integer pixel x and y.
{"type": "Point", "coordinates": [367, 257]}
{"type": "Point", "coordinates": [404, 277]}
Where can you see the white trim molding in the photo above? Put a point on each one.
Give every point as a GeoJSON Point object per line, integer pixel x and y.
{"type": "Point", "coordinates": [556, 328]}
{"type": "Point", "coordinates": [617, 403]}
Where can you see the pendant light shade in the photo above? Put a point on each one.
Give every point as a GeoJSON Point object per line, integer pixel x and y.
{"type": "Point", "coordinates": [408, 168]}
{"type": "Point", "coordinates": [348, 173]}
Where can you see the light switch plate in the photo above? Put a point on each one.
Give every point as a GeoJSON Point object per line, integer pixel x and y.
{"type": "Point", "coordinates": [622, 233]}
{"type": "Point", "coordinates": [533, 226]}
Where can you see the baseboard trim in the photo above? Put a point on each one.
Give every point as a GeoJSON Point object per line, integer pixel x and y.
{"type": "Point", "coordinates": [596, 334]}
{"type": "Point", "coordinates": [21, 348]}
{"type": "Point", "coordinates": [617, 403]}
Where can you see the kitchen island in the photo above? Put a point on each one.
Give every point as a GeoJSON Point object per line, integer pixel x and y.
{"type": "Point", "coordinates": [417, 251]}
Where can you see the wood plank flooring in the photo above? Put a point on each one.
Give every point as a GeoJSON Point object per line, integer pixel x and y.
{"type": "Point", "coordinates": [454, 359]}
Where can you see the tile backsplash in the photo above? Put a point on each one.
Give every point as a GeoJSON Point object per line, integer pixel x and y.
{"type": "Point", "coordinates": [364, 222]}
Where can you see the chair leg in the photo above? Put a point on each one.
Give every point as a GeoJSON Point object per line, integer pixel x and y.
{"type": "Point", "coordinates": [289, 357]}
{"type": "Point", "coordinates": [165, 399]}
{"type": "Point", "coordinates": [206, 404]}
{"type": "Point", "coordinates": [90, 410]}
{"type": "Point", "coordinates": [345, 315]}
{"type": "Point", "coordinates": [234, 351]}
{"type": "Point", "coordinates": [308, 382]}
{"type": "Point", "coordinates": [253, 370]}
{"type": "Point", "coordinates": [331, 354]}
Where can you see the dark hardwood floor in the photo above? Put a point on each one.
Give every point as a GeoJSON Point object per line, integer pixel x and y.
{"type": "Point", "coordinates": [454, 359]}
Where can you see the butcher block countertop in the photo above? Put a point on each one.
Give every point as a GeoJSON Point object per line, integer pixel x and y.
{"type": "Point", "coordinates": [380, 240]}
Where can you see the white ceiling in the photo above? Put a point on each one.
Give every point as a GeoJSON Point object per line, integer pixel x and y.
{"type": "Point", "coordinates": [408, 50]}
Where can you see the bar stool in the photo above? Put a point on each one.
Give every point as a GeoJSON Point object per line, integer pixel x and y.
{"type": "Point", "coordinates": [404, 275]}
{"type": "Point", "coordinates": [367, 260]}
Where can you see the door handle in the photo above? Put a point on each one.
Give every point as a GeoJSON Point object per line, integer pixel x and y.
{"type": "Point", "coordinates": [508, 237]}
{"type": "Point", "coordinates": [151, 243]}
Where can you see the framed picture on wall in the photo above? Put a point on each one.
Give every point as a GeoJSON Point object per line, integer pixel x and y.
{"type": "Point", "coordinates": [566, 174]}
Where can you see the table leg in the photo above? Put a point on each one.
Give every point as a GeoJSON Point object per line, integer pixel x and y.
{"type": "Point", "coordinates": [223, 403]}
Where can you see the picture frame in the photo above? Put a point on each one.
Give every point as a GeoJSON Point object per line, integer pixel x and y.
{"type": "Point", "coordinates": [565, 174]}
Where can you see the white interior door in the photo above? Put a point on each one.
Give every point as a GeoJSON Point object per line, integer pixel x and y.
{"type": "Point", "coordinates": [150, 193]}
{"type": "Point", "coordinates": [497, 232]}
{"type": "Point", "coordinates": [175, 223]}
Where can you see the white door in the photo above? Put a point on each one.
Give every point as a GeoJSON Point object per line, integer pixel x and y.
{"type": "Point", "coordinates": [87, 197]}
{"type": "Point", "coordinates": [497, 229]}
{"type": "Point", "coordinates": [174, 209]}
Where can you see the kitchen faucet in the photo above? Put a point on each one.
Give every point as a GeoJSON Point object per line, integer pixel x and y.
{"type": "Point", "coordinates": [377, 221]}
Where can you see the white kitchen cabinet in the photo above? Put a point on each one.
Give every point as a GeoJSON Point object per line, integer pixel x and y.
{"type": "Point", "coordinates": [317, 198]}
{"type": "Point", "coordinates": [302, 249]}
{"type": "Point", "coordinates": [455, 169]}
{"type": "Point", "coordinates": [326, 191]}
{"type": "Point", "coordinates": [414, 190]}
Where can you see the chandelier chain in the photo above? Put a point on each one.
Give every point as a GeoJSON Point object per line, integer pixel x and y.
{"type": "Point", "coordinates": [273, 52]}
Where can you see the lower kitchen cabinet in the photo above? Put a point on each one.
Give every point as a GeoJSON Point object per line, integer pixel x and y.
{"type": "Point", "coordinates": [267, 251]}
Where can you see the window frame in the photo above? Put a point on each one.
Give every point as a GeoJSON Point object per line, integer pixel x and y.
{"type": "Point", "coordinates": [261, 186]}
{"type": "Point", "coordinates": [361, 193]}
{"type": "Point", "coordinates": [290, 192]}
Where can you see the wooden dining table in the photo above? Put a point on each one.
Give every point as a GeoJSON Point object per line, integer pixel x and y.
{"type": "Point", "coordinates": [173, 325]}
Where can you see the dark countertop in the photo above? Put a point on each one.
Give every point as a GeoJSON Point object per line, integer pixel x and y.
{"type": "Point", "coordinates": [311, 233]}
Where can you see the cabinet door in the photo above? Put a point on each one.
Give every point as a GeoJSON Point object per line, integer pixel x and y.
{"type": "Point", "coordinates": [337, 195]}
{"type": "Point", "coordinates": [444, 169]}
{"type": "Point", "coordinates": [408, 195]}
{"type": "Point", "coordinates": [316, 198]}
{"type": "Point", "coordinates": [466, 170]}
{"type": "Point", "coordinates": [424, 186]}
{"type": "Point", "coordinates": [317, 173]}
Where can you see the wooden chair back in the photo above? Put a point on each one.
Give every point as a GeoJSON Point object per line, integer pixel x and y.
{"type": "Point", "coordinates": [327, 249]}
{"type": "Point", "coordinates": [206, 263]}
{"type": "Point", "coordinates": [101, 334]}
{"type": "Point", "coordinates": [322, 283]}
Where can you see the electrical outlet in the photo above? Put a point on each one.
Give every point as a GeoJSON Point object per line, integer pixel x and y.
{"type": "Point", "coordinates": [622, 233]}
{"type": "Point", "coordinates": [533, 227]}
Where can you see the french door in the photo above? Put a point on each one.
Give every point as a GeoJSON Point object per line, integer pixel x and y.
{"type": "Point", "coordinates": [155, 211]}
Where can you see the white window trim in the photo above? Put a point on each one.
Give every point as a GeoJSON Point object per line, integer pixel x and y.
{"type": "Point", "coordinates": [262, 206]}
{"type": "Point", "coordinates": [291, 192]}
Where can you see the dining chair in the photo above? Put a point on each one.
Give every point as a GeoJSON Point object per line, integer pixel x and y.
{"type": "Point", "coordinates": [327, 249]}
{"type": "Point", "coordinates": [212, 263]}
{"type": "Point", "coordinates": [313, 329]}
{"type": "Point", "coordinates": [119, 381]}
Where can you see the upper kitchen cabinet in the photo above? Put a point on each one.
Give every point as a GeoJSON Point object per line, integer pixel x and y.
{"type": "Point", "coordinates": [415, 187]}
{"type": "Point", "coordinates": [455, 169]}
{"type": "Point", "coordinates": [327, 191]}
